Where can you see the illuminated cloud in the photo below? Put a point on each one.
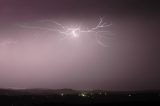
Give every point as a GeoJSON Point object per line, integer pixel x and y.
{"type": "Point", "coordinates": [65, 44]}
{"type": "Point", "coordinates": [7, 42]}
{"type": "Point", "coordinates": [75, 31]}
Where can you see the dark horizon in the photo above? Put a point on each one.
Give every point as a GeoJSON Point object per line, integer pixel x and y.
{"type": "Point", "coordinates": [125, 58]}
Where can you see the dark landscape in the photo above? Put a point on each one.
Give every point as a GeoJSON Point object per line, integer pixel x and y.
{"type": "Point", "coordinates": [36, 97]}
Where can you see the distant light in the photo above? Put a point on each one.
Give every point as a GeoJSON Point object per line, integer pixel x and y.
{"type": "Point", "coordinates": [83, 95]}
{"type": "Point", "coordinates": [62, 94]}
{"type": "Point", "coordinates": [129, 95]}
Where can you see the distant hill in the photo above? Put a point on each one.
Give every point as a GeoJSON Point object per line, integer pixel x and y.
{"type": "Point", "coordinates": [36, 91]}
{"type": "Point", "coordinates": [41, 91]}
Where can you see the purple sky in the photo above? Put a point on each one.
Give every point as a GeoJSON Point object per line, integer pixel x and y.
{"type": "Point", "coordinates": [31, 58]}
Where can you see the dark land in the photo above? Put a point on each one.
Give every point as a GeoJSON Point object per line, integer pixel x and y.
{"type": "Point", "coordinates": [36, 97]}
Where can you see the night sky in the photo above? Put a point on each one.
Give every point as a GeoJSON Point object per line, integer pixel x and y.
{"type": "Point", "coordinates": [127, 58]}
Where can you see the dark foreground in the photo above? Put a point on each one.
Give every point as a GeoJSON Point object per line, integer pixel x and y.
{"type": "Point", "coordinates": [39, 97]}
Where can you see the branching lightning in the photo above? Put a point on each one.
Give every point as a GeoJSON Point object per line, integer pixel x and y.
{"type": "Point", "coordinates": [76, 31]}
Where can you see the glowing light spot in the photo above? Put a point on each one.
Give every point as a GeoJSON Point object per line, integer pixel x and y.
{"type": "Point", "coordinates": [62, 94]}
{"type": "Point", "coordinates": [83, 94]}
{"type": "Point", "coordinates": [74, 32]}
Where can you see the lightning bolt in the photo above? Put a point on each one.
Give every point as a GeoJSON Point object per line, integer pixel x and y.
{"type": "Point", "coordinates": [76, 31]}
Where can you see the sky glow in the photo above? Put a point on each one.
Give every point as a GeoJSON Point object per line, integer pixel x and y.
{"type": "Point", "coordinates": [79, 44]}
